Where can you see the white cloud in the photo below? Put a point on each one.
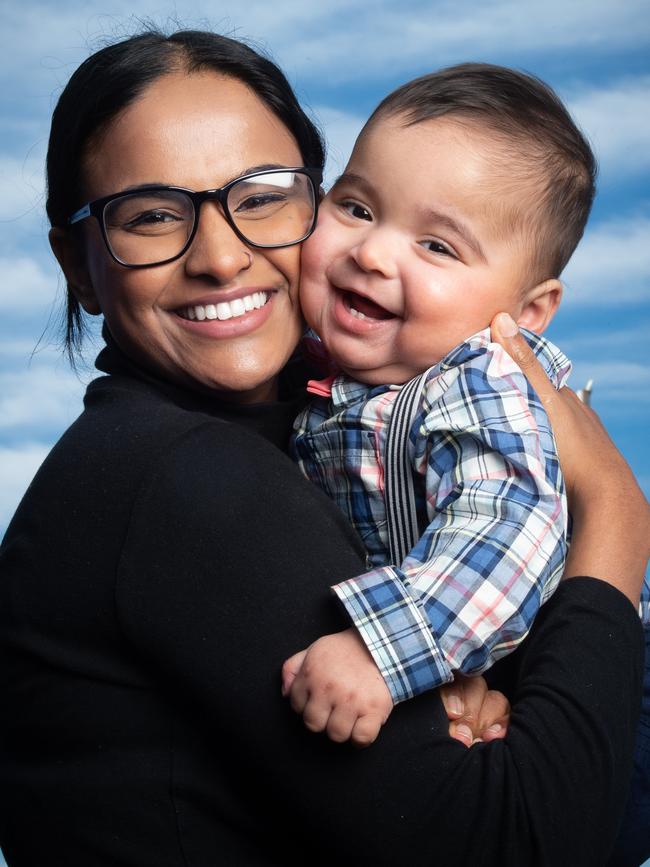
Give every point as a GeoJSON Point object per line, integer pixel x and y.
{"type": "Point", "coordinates": [617, 122]}
{"type": "Point", "coordinates": [381, 39]}
{"type": "Point", "coordinates": [16, 349]}
{"type": "Point", "coordinates": [27, 286]}
{"type": "Point", "coordinates": [616, 381]}
{"type": "Point", "coordinates": [605, 343]}
{"type": "Point", "coordinates": [611, 265]}
{"type": "Point", "coordinates": [18, 468]}
{"type": "Point", "coordinates": [42, 397]}
{"type": "Point", "coordinates": [334, 38]}
{"type": "Point", "coordinates": [341, 130]}
{"type": "Point", "coordinates": [22, 188]}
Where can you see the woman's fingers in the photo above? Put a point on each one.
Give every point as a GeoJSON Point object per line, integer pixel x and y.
{"type": "Point", "coordinates": [452, 698]}
{"type": "Point", "coordinates": [468, 693]}
{"type": "Point", "coordinates": [494, 716]}
{"type": "Point", "coordinates": [475, 713]}
{"type": "Point", "coordinates": [505, 331]}
{"type": "Point", "coordinates": [582, 441]}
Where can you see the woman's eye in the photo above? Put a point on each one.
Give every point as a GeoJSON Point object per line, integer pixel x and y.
{"type": "Point", "coordinates": [354, 209]}
{"type": "Point", "coordinates": [438, 247]}
{"type": "Point", "coordinates": [151, 218]}
{"type": "Point", "coordinates": [261, 201]}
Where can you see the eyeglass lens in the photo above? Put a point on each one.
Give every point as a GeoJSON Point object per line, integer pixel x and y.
{"type": "Point", "coordinates": [273, 209]}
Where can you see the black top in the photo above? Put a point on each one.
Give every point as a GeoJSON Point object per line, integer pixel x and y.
{"type": "Point", "coordinates": [159, 569]}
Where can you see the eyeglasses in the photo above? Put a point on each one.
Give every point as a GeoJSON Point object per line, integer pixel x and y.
{"type": "Point", "coordinates": [155, 225]}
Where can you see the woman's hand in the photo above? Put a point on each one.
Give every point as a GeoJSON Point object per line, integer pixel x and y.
{"type": "Point", "coordinates": [611, 517]}
{"type": "Point", "coordinates": [476, 713]}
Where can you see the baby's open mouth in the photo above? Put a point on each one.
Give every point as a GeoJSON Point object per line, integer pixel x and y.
{"type": "Point", "coordinates": [364, 308]}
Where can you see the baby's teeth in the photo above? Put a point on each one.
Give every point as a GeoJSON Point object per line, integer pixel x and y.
{"type": "Point", "coordinates": [357, 313]}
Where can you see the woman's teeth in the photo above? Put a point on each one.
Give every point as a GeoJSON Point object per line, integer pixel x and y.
{"type": "Point", "coordinates": [226, 309]}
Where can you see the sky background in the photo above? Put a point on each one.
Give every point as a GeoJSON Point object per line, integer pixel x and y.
{"type": "Point", "coordinates": [342, 57]}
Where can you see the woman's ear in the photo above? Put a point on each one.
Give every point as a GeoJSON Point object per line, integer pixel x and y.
{"type": "Point", "coordinates": [539, 305]}
{"type": "Point", "coordinates": [72, 260]}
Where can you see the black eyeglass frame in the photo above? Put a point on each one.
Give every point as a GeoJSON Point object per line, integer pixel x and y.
{"type": "Point", "coordinates": [97, 209]}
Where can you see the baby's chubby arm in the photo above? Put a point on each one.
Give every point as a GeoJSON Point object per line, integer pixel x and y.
{"type": "Point", "coordinates": [337, 688]}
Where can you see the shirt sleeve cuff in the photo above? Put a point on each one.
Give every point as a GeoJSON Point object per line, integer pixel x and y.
{"type": "Point", "coordinates": [396, 632]}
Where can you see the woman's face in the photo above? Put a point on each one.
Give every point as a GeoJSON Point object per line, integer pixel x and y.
{"type": "Point", "coordinates": [196, 131]}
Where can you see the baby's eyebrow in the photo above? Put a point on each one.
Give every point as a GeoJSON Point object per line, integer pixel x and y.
{"type": "Point", "coordinates": [456, 226]}
{"type": "Point", "coordinates": [352, 178]}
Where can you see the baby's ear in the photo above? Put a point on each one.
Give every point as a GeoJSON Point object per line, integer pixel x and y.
{"type": "Point", "coordinates": [539, 305]}
{"type": "Point", "coordinates": [71, 257]}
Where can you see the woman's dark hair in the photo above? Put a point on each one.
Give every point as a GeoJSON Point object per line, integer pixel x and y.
{"type": "Point", "coordinates": [112, 78]}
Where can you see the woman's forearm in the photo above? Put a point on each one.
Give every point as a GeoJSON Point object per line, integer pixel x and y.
{"type": "Point", "coordinates": [611, 516]}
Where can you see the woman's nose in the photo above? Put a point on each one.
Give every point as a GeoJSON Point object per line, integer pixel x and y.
{"type": "Point", "coordinates": [216, 251]}
{"type": "Point", "coordinates": [375, 253]}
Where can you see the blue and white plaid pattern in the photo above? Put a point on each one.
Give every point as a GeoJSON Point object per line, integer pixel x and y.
{"type": "Point", "coordinates": [490, 501]}
{"type": "Point", "coordinates": [491, 505]}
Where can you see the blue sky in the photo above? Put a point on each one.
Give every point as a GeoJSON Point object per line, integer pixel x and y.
{"type": "Point", "coordinates": [342, 57]}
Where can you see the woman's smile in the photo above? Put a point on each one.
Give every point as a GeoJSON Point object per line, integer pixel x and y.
{"type": "Point", "coordinates": [226, 309]}
{"type": "Point", "coordinates": [222, 317]}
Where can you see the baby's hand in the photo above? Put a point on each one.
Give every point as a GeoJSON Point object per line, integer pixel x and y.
{"type": "Point", "coordinates": [337, 688]}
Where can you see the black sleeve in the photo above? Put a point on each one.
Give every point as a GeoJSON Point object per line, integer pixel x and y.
{"type": "Point", "coordinates": [226, 571]}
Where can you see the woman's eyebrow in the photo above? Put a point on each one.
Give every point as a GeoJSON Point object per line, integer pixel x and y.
{"type": "Point", "coordinates": [250, 170]}
{"type": "Point", "coordinates": [456, 226]}
{"type": "Point", "coordinates": [148, 185]}
{"type": "Point", "coordinates": [261, 168]}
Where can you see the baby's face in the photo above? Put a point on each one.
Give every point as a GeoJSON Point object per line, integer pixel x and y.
{"type": "Point", "coordinates": [408, 258]}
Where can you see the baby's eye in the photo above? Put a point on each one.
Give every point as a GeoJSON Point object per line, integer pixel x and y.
{"type": "Point", "coordinates": [356, 210]}
{"type": "Point", "coordinates": [437, 247]}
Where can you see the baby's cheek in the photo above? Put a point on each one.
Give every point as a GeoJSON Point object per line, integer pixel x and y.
{"type": "Point", "coordinates": [308, 297]}
{"type": "Point", "coordinates": [311, 289]}
{"type": "Point", "coordinates": [311, 259]}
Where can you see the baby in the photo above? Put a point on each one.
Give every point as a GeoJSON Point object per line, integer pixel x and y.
{"type": "Point", "coordinates": [466, 194]}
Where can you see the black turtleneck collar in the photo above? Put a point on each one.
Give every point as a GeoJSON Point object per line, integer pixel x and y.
{"type": "Point", "coordinates": [273, 420]}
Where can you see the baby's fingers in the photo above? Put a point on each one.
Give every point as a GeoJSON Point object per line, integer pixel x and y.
{"type": "Point", "coordinates": [366, 729]}
{"type": "Point", "coordinates": [290, 669]}
{"type": "Point", "coordinates": [340, 723]}
{"type": "Point", "coordinates": [316, 714]}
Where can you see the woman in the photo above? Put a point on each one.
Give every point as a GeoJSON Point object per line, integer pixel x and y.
{"type": "Point", "coordinates": [167, 557]}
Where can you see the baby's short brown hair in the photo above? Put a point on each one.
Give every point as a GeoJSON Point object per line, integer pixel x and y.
{"type": "Point", "coordinates": [541, 153]}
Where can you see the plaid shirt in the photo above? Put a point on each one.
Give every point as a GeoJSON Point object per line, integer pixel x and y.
{"type": "Point", "coordinates": [490, 501]}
